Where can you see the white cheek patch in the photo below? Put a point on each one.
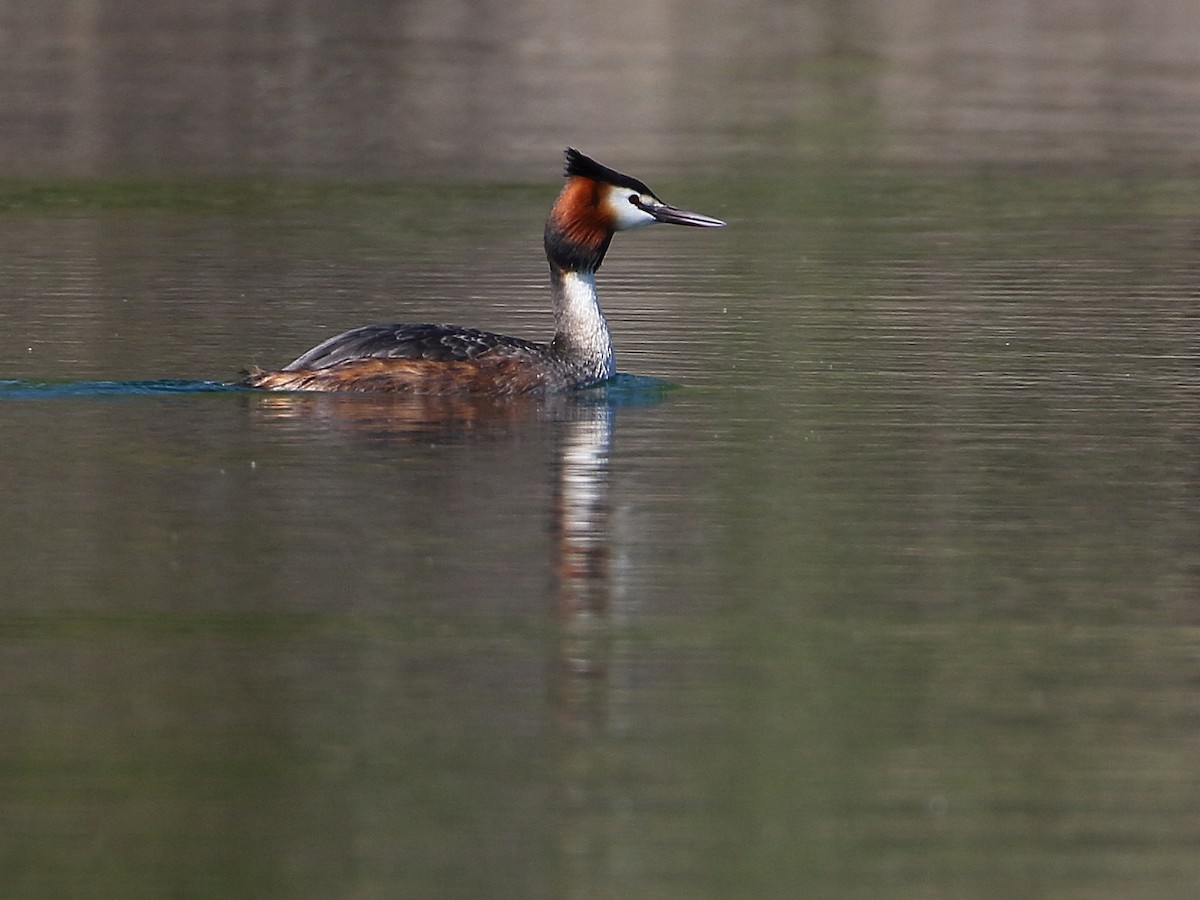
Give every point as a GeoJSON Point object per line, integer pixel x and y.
{"type": "Point", "coordinates": [625, 214]}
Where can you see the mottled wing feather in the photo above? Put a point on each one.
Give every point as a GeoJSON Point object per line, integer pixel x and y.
{"type": "Point", "coordinates": [494, 374]}
{"type": "Point", "coordinates": [435, 343]}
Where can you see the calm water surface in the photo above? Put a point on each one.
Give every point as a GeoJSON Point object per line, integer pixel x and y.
{"type": "Point", "coordinates": [876, 576]}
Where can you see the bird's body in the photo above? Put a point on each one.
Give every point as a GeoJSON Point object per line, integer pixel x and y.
{"type": "Point", "coordinates": [425, 359]}
{"type": "Point", "coordinates": [441, 359]}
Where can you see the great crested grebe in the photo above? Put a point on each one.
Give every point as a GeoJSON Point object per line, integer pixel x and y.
{"type": "Point", "coordinates": [595, 203]}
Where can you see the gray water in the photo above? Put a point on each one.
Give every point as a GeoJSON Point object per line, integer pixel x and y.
{"type": "Point", "coordinates": [874, 575]}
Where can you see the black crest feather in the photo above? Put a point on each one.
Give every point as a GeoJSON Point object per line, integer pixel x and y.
{"type": "Point", "coordinates": [586, 167]}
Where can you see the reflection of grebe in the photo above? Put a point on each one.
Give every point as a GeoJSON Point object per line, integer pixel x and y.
{"type": "Point", "coordinates": [596, 203]}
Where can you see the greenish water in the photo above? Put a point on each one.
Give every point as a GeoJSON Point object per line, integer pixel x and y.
{"type": "Point", "coordinates": [893, 594]}
{"type": "Point", "coordinates": [875, 574]}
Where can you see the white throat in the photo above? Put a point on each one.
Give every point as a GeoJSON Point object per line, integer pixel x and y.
{"type": "Point", "coordinates": [580, 329]}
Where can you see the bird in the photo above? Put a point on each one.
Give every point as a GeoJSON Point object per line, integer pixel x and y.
{"type": "Point", "coordinates": [594, 204]}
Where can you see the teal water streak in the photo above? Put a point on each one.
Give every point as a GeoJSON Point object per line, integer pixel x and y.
{"type": "Point", "coordinates": [41, 390]}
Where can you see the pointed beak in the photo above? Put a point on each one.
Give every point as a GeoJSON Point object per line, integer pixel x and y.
{"type": "Point", "coordinates": [673, 216]}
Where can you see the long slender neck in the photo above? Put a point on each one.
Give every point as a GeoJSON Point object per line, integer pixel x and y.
{"type": "Point", "coordinates": [576, 241]}
{"type": "Point", "coordinates": [580, 329]}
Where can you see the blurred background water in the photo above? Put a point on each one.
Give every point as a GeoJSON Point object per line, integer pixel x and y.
{"type": "Point", "coordinates": [875, 575]}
